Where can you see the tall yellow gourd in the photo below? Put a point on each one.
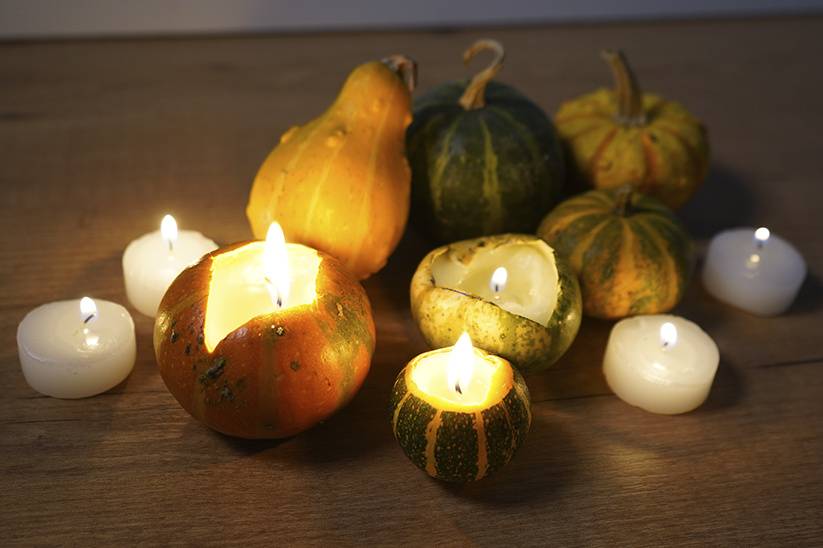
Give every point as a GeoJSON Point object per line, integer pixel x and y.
{"type": "Point", "coordinates": [341, 182]}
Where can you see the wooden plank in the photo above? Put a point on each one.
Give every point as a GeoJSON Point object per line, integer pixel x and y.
{"type": "Point", "coordinates": [99, 139]}
{"type": "Point", "coordinates": [743, 470]}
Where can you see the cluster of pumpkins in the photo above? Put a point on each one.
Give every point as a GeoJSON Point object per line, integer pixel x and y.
{"type": "Point", "coordinates": [470, 159]}
{"type": "Point", "coordinates": [479, 158]}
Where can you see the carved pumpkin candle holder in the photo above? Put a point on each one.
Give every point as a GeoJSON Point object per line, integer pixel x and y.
{"type": "Point", "coordinates": [264, 339]}
{"type": "Point", "coordinates": [512, 293]}
{"type": "Point", "coordinates": [460, 413]}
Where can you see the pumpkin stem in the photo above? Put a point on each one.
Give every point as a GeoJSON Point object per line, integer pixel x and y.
{"type": "Point", "coordinates": [475, 95]}
{"type": "Point", "coordinates": [629, 96]}
{"type": "Point", "coordinates": [405, 68]}
{"type": "Point", "coordinates": [623, 200]}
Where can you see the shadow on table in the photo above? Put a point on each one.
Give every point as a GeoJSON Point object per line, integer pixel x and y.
{"type": "Point", "coordinates": [727, 390]}
{"type": "Point", "coordinates": [809, 298]}
{"type": "Point", "coordinates": [723, 201]}
{"type": "Point", "coordinates": [533, 475]}
{"type": "Point", "coordinates": [351, 434]}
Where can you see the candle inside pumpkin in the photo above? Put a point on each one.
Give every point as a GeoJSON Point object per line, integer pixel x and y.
{"type": "Point", "coordinates": [260, 278]}
{"type": "Point", "coordinates": [518, 277]}
{"type": "Point", "coordinates": [460, 413]}
{"type": "Point", "coordinates": [462, 378]}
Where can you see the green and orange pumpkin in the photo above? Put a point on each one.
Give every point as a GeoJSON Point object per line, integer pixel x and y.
{"type": "Point", "coordinates": [484, 158]}
{"type": "Point", "coordinates": [276, 375]}
{"type": "Point", "coordinates": [446, 299]}
{"type": "Point", "coordinates": [623, 136]}
{"type": "Point", "coordinates": [631, 254]}
{"type": "Point", "coordinates": [460, 444]}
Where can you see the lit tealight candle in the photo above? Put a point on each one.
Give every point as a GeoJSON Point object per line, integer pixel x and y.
{"type": "Point", "coordinates": [753, 270]}
{"type": "Point", "coordinates": [460, 413]}
{"type": "Point", "coordinates": [76, 349]}
{"type": "Point", "coordinates": [663, 364]}
{"type": "Point", "coordinates": [153, 261]}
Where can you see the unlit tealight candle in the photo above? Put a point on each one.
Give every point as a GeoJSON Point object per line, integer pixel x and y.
{"type": "Point", "coordinates": [753, 270]}
{"type": "Point", "coordinates": [76, 349]}
{"type": "Point", "coordinates": [663, 364]}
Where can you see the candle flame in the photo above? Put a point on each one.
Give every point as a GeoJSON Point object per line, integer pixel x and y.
{"type": "Point", "coordinates": [761, 236]}
{"type": "Point", "coordinates": [168, 229]}
{"type": "Point", "coordinates": [499, 278]}
{"type": "Point", "coordinates": [88, 309]}
{"type": "Point", "coordinates": [461, 364]}
{"type": "Point", "coordinates": [276, 265]}
{"type": "Point", "coordinates": [668, 335]}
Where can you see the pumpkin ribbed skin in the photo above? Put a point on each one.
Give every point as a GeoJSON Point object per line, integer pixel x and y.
{"type": "Point", "coordinates": [341, 182]}
{"type": "Point", "coordinates": [661, 149]}
{"type": "Point", "coordinates": [459, 446]}
{"type": "Point", "coordinates": [442, 314]}
{"type": "Point", "coordinates": [278, 374]}
{"type": "Point", "coordinates": [631, 254]}
{"type": "Point", "coordinates": [483, 171]}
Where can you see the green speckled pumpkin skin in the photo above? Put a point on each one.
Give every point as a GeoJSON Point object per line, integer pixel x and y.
{"type": "Point", "coordinates": [459, 446]}
{"type": "Point", "coordinates": [489, 170]}
{"type": "Point", "coordinates": [443, 314]}
{"type": "Point", "coordinates": [636, 260]}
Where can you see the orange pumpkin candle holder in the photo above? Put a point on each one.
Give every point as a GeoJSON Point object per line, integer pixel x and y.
{"type": "Point", "coordinates": [260, 340]}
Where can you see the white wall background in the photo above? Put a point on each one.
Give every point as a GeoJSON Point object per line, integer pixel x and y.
{"type": "Point", "coordinates": [67, 18]}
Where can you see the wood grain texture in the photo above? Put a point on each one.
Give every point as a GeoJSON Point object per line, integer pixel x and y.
{"type": "Point", "coordinates": [99, 139]}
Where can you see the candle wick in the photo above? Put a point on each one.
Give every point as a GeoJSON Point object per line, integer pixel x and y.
{"type": "Point", "coordinates": [88, 319]}
{"type": "Point", "coordinates": [171, 246]}
{"type": "Point", "coordinates": [279, 302]}
{"type": "Point", "coordinates": [458, 389]}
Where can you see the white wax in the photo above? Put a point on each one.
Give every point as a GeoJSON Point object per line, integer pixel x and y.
{"type": "Point", "coordinates": [763, 280]}
{"type": "Point", "coordinates": [671, 379]}
{"type": "Point", "coordinates": [64, 357]}
{"type": "Point", "coordinates": [530, 289]}
{"type": "Point", "coordinates": [149, 266]}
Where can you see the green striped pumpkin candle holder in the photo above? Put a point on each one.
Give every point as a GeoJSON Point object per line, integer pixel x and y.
{"type": "Point", "coordinates": [530, 315]}
{"type": "Point", "coordinates": [460, 413]}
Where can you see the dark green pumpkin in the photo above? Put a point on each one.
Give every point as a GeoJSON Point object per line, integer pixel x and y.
{"type": "Point", "coordinates": [484, 158]}
{"type": "Point", "coordinates": [459, 446]}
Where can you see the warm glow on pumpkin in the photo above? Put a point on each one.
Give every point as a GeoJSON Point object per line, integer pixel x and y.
{"type": "Point", "coordinates": [242, 281]}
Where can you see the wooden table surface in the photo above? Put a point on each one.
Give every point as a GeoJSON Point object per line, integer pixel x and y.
{"type": "Point", "coordinates": [98, 139]}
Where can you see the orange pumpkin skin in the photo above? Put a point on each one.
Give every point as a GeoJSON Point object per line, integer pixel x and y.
{"type": "Point", "coordinates": [278, 374]}
{"type": "Point", "coordinates": [341, 182]}
{"type": "Point", "coordinates": [626, 137]}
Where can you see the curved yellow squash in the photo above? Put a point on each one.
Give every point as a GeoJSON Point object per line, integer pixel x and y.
{"type": "Point", "coordinates": [623, 136]}
{"type": "Point", "coordinates": [341, 182]}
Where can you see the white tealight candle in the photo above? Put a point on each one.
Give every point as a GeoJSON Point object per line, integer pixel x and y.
{"type": "Point", "coordinates": [76, 349]}
{"type": "Point", "coordinates": [154, 260]}
{"type": "Point", "coordinates": [753, 270]}
{"type": "Point", "coordinates": [663, 364]}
